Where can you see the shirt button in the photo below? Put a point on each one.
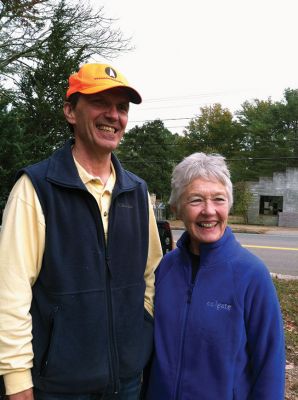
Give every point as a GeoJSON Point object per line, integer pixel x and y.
{"type": "Point", "coordinates": [105, 214]}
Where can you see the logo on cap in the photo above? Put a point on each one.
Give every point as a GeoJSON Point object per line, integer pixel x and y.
{"type": "Point", "coordinates": [111, 72]}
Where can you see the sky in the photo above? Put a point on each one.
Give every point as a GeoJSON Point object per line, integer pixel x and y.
{"type": "Point", "coordinates": [195, 53]}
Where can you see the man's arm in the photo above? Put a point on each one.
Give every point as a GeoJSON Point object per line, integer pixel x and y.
{"type": "Point", "coordinates": [24, 395]}
{"type": "Point", "coordinates": [21, 251]}
{"type": "Point", "coordinates": [154, 257]}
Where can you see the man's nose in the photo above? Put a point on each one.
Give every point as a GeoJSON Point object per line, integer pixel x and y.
{"type": "Point", "coordinates": [112, 112]}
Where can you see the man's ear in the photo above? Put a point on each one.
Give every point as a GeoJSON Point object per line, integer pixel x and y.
{"type": "Point", "coordinates": [69, 113]}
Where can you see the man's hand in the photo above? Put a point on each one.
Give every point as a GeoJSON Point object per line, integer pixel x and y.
{"type": "Point", "coordinates": [24, 395]}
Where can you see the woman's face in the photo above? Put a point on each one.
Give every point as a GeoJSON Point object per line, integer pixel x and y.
{"type": "Point", "coordinates": [204, 209]}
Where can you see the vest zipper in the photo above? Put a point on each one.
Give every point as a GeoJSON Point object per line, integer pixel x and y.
{"type": "Point", "coordinates": [112, 347]}
{"type": "Point", "coordinates": [111, 328]}
{"type": "Point", "coordinates": [180, 362]}
{"type": "Point", "coordinates": [113, 354]}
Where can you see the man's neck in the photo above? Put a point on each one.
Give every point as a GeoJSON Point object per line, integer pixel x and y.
{"type": "Point", "coordinates": [95, 165]}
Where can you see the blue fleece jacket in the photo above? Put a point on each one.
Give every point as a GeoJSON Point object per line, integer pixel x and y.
{"type": "Point", "coordinates": [220, 338]}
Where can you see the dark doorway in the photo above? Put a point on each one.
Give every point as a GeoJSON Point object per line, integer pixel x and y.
{"type": "Point", "coordinates": [271, 205]}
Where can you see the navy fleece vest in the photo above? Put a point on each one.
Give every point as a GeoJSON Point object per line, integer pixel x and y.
{"type": "Point", "coordinates": [89, 324]}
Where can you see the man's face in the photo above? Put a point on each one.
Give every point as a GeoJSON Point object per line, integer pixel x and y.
{"type": "Point", "coordinates": [99, 120]}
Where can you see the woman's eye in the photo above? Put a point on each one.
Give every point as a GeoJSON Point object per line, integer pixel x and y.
{"type": "Point", "coordinates": [220, 199]}
{"type": "Point", "coordinates": [196, 201]}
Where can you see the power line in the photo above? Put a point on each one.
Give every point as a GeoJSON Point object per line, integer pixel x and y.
{"type": "Point", "coordinates": [243, 159]}
{"type": "Point", "coordinates": [164, 119]}
{"type": "Point", "coordinates": [194, 95]}
{"type": "Point", "coordinates": [206, 143]}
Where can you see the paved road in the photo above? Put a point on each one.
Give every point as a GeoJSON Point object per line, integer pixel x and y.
{"type": "Point", "coordinates": [278, 251]}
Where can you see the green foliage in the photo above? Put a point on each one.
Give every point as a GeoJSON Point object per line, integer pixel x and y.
{"type": "Point", "coordinates": [148, 151]}
{"type": "Point", "coordinates": [269, 144]}
{"type": "Point", "coordinates": [242, 199]}
{"type": "Point", "coordinates": [260, 139]}
{"type": "Point", "coordinates": [11, 144]}
{"type": "Point", "coordinates": [207, 131]}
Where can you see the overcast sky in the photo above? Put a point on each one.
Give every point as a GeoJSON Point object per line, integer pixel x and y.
{"type": "Point", "coordinates": [194, 53]}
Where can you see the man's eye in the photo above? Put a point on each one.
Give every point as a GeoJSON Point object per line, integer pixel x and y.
{"type": "Point", "coordinates": [123, 107]}
{"type": "Point", "coordinates": [99, 102]}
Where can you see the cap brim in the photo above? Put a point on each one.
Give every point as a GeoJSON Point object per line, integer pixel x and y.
{"type": "Point", "coordinates": [134, 96]}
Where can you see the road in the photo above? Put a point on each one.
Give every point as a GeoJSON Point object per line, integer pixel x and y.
{"type": "Point", "coordinates": [279, 252]}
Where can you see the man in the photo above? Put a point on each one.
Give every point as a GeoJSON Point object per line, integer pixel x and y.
{"type": "Point", "coordinates": [78, 250]}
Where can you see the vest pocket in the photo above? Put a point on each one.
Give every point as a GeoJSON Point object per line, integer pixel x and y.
{"type": "Point", "coordinates": [45, 358]}
{"type": "Point", "coordinates": [73, 349]}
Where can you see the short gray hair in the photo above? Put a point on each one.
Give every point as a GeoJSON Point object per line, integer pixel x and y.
{"type": "Point", "coordinates": [199, 165]}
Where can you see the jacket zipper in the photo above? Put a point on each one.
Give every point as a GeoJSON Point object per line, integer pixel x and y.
{"type": "Point", "coordinates": [180, 363]}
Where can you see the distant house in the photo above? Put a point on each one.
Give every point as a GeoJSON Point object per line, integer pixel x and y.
{"type": "Point", "coordinates": [275, 199]}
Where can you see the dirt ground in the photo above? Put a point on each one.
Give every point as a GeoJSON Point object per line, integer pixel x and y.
{"type": "Point", "coordinates": [291, 382]}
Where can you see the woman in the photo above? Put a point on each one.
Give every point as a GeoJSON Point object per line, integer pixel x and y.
{"type": "Point", "coordinates": [218, 325]}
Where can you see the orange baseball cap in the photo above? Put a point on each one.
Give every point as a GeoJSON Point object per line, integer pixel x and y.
{"type": "Point", "coordinates": [95, 78]}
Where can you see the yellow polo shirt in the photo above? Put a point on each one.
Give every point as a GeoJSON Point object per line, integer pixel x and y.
{"type": "Point", "coordinates": [22, 241]}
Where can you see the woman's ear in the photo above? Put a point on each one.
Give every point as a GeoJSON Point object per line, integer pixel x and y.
{"type": "Point", "coordinates": [69, 113]}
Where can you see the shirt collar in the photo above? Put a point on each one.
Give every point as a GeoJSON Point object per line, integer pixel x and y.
{"type": "Point", "coordinates": [87, 177]}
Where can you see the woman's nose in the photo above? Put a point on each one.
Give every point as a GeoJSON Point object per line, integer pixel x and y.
{"type": "Point", "coordinates": [208, 207]}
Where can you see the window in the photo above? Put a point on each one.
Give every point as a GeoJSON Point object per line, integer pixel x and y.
{"type": "Point", "coordinates": [271, 205]}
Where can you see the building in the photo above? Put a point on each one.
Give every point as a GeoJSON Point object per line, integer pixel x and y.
{"type": "Point", "coordinates": [275, 199]}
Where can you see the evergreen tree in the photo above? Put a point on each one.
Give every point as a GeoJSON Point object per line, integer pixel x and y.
{"type": "Point", "coordinates": [11, 144]}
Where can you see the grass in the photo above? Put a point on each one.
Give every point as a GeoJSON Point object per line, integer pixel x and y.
{"type": "Point", "coordinates": [287, 291]}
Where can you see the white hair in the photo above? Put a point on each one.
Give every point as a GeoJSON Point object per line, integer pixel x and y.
{"type": "Point", "coordinates": [199, 165]}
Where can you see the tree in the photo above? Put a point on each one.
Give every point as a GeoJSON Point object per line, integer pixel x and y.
{"type": "Point", "coordinates": [216, 131]}
{"type": "Point", "coordinates": [12, 151]}
{"type": "Point", "coordinates": [75, 34]}
{"type": "Point", "coordinates": [26, 25]}
{"type": "Point", "coordinates": [148, 151]}
{"type": "Point", "coordinates": [287, 111]}
{"type": "Point", "coordinates": [22, 30]}
{"type": "Point", "coordinates": [266, 145]}
{"type": "Point", "coordinates": [242, 199]}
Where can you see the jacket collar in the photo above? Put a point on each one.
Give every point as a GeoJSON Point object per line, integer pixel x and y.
{"type": "Point", "coordinates": [211, 253]}
{"type": "Point", "coordinates": [62, 170]}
